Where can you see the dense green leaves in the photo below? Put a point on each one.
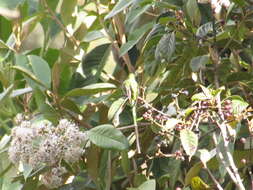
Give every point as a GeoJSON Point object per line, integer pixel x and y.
{"type": "Point", "coordinates": [172, 77]}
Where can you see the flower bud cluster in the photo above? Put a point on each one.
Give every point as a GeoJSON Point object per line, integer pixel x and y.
{"type": "Point", "coordinates": [42, 143]}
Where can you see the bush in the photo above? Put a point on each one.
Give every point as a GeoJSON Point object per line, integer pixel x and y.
{"type": "Point", "coordinates": [137, 95]}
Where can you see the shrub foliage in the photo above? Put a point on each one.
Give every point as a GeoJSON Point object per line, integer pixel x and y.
{"type": "Point", "coordinates": [126, 94]}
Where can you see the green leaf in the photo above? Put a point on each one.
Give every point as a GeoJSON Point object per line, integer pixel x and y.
{"type": "Point", "coordinates": [120, 6]}
{"type": "Point", "coordinates": [94, 62]}
{"type": "Point", "coordinates": [93, 160]}
{"type": "Point", "coordinates": [239, 105]}
{"type": "Point", "coordinates": [135, 37]}
{"type": "Point", "coordinates": [3, 45]}
{"type": "Point", "coordinates": [29, 74]}
{"type": "Point", "coordinates": [166, 47]}
{"type": "Point", "coordinates": [116, 107]}
{"type": "Point", "coordinates": [204, 156]}
{"type": "Point", "coordinates": [204, 29]}
{"type": "Point", "coordinates": [199, 62]}
{"type": "Point", "coordinates": [10, 4]}
{"type": "Point", "coordinates": [93, 35]}
{"type": "Point", "coordinates": [193, 12]}
{"type": "Point", "coordinates": [107, 136]}
{"type": "Point", "coordinates": [239, 76]}
{"type": "Point", "coordinates": [5, 94]}
{"type": "Point", "coordinates": [194, 171]}
{"type": "Point", "coordinates": [4, 141]}
{"type": "Point", "coordinates": [135, 13]}
{"type": "Point", "coordinates": [70, 105]}
{"type": "Point", "coordinates": [125, 162]}
{"type": "Point", "coordinates": [189, 141]}
{"type": "Point", "coordinates": [67, 10]}
{"type": "Point", "coordinates": [41, 69]}
{"type": "Point", "coordinates": [27, 170]}
{"type": "Point", "coordinates": [91, 89]}
{"type": "Point", "coordinates": [147, 185]}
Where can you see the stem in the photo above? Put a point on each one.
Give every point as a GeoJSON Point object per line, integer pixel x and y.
{"type": "Point", "coordinates": [232, 170]}
{"type": "Point", "coordinates": [133, 126]}
{"type": "Point", "coordinates": [61, 25]}
{"type": "Point", "coordinates": [109, 170]}
{"type": "Point", "coordinates": [136, 129]}
{"type": "Point", "coordinates": [214, 180]}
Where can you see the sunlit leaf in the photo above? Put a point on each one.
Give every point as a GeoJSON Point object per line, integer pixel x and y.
{"type": "Point", "coordinates": [107, 136]}
{"type": "Point", "coordinates": [189, 141]}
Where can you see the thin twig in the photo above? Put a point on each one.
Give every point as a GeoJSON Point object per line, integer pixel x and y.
{"type": "Point", "coordinates": [60, 24]}
{"type": "Point", "coordinates": [132, 126]}
{"type": "Point", "coordinates": [214, 180]}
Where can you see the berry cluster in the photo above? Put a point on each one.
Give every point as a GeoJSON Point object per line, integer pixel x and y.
{"type": "Point", "coordinates": [179, 155]}
{"type": "Point", "coordinates": [227, 109]}
{"type": "Point", "coordinates": [181, 126]}
{"type": "Point", "coordinates": [152, 116]}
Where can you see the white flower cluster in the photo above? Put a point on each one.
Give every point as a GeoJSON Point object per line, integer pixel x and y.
{"type": "Point", "coordinates": [42, 143]}
{"type": "Point", "coordinates": [53, 178]}
{"type": "Point", "coordinates": [218, 4]}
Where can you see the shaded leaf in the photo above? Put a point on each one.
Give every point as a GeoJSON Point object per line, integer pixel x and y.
{"type": "Point", "coordinates": [135, 38]}
{"type": "Point", "coordinates": [166, 47]}
{"type": "Point", "coordinates": [193, 12]}
{"type": "Point", "coordinates": [94, 62]}
{"type": "Point", "coordinates": [199, 62]}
